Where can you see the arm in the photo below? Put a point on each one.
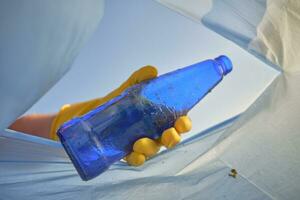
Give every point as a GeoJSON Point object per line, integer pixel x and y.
{"type": "Point", "coordinates": [34, 124]}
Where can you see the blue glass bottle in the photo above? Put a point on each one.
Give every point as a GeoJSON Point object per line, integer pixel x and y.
{"type": "Point", "coordinates": [106, 134]}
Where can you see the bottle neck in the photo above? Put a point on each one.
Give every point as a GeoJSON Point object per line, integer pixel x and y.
{"type": "Point", "coordinates": [224, 63]}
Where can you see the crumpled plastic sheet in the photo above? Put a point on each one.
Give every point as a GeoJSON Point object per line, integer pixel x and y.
{"type": "Point", "coordinates": [239, 19]}
{"type": "Point", "coordinates": [29, 162]}
{"type": "Point", "coordinates": [277, 38]}
{"type": "Point", "coordinates": [45, 42]}
{"type": "Point", "coordinates": [271, 34]}
{"type": "Point", "coordinates": [264, 144]}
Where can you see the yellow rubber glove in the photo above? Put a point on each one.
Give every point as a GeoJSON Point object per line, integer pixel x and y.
{"type": "Point", "coordinates": [142, 148]}
{"type": "Point", "coordinates": [146, 147]}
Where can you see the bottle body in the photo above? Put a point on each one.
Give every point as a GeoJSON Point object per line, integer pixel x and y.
{"type": "Point", "coordinates": [107, 134]}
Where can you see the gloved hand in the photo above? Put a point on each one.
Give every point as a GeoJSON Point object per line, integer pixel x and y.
{"type": "Point", "coordinates": [142, 148]}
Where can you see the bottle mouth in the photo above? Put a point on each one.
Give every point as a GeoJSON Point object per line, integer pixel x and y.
{"type": "Point", "coordinates": [225, 64]}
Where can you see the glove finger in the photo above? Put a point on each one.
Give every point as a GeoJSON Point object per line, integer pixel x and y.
{"type": "Point", "coordinates": [144, 73]}
{"type": "Point", "coordinates": [183, 124]}
{"type": "Point", "coordinates": [135, 159]}
{"type": "Point", "coordinates": [146, 146]}
{"type": "Point", "coordinates": [170, 138]}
